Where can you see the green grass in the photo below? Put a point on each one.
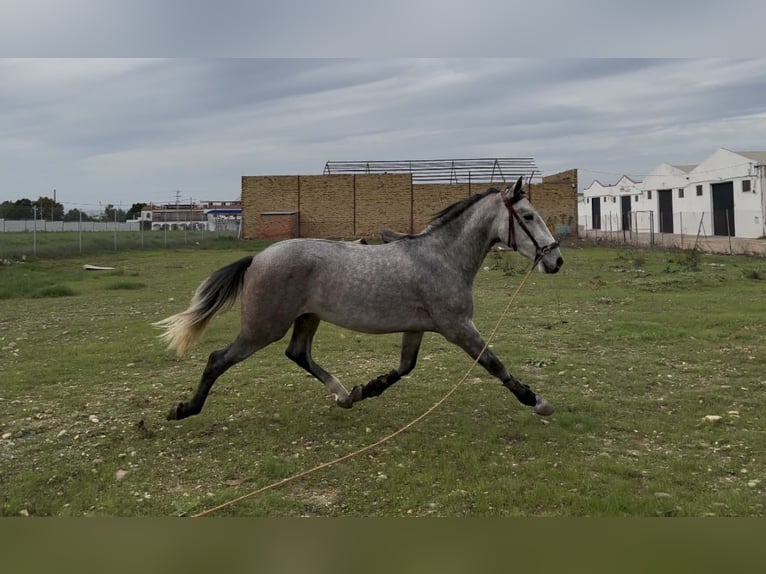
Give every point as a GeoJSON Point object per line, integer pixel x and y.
{"type": "Point", "coordinates": [65, 244]}
{"type": "Point", "coordinates": [634, 348]}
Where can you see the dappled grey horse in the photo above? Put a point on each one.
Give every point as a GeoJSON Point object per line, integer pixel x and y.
{"type": "Point", "coordinates": [416, 283]}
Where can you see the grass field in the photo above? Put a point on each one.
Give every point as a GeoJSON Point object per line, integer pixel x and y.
{"type": "Point", "coordinates": [60, 244]}
{"type": "Point", "coordinates": [653, 359]}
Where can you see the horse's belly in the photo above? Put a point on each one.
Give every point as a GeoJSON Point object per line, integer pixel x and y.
{"type": "Point", "coordinates": [367, 321]}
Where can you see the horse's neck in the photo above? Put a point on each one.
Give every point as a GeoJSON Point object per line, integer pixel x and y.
{"type": "Point", "coordinates": [467, 240]}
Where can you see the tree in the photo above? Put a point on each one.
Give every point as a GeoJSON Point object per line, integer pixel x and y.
{"type": "Point", "coordinates": [135, 210]}
{"type": "Point", "coordinates": [111, 213]}
{"type": "Point", "coordinates": [49, 209]}
{"type": "Point", "coordinates": [19, 209]}
{"type": "Point", "coordinates": [76, 215]}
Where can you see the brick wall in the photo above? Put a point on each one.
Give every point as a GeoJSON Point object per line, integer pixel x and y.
{"type": "Point", "coordinates": [327, 205]}
{"type": "Point", "coordinates": [278, 225]}
{"type": "Point", "coordinates": [266, 193]}
{"type": "Point", "coordinates": [383, 200]}
{"type": "Point", "coordinates": [555, 199]}
{"type": "Point", "coordinates": [429, 199]}
{"type": "Point", "coordinates": [360, 205]}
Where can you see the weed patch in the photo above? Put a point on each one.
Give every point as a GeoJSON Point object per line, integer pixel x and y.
{"type": "Point", "coordinates": [53, 291]}
{"type": "Point", "coordinates": [125, 286]}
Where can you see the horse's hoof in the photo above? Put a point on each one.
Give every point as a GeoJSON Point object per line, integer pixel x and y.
{"type": "Point", "coordinates": [356, 393]}
{"type": "Point", "coordinates": [543, 407]}
{"type": "Point", "coordinates": [173, 414]}
{"type": "Point", "coordinates": [345, 403]}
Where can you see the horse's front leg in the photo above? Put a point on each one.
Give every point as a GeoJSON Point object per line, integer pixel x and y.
{"type": "Point", "coordinates": [409, 358]}
{"type": "Point", "coordinates": [469, 339]}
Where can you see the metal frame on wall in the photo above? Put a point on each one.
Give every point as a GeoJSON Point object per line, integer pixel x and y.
{"type": "Point", "coordinates": [504, 169]}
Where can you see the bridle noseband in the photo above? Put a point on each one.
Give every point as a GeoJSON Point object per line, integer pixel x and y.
{"type": "Point", "coordinates": [540, 252]}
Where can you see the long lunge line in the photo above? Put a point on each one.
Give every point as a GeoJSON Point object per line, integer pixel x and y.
{"type": "Point", "coordinates": [386, 438]}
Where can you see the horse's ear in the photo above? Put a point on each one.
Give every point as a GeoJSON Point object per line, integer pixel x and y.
{"type": "Point", "coordinates": [517, 188]}
{"type": "Point", "coordinates": [515, 193]}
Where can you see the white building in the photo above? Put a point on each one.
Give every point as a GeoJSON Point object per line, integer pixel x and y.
{"type": "Point", "coordinates": [608, 207]}
{"type": "Point", "coordinates": [655, 207]}
{"type": "Point", "coordinates": [727, 190]}
{"type": "Point", "coordinates": [723, 195]}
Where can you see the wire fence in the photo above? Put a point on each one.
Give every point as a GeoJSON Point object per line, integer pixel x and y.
{"type": "Point", "coordinates": [718, 231]}
{"type": "Point", "coordinates": [22, 239]}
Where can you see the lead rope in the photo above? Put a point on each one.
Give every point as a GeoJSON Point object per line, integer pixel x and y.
{"type": "Point", "coordinates": [386, 438]}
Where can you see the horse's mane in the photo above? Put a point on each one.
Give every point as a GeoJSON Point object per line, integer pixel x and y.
{"type": "Point", "coordinates": [449, 213]}
{"type": "Point", "coordinates": [452, 212]}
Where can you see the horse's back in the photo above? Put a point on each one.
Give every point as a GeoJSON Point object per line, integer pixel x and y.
{"type": "Point", "coordinates": [329, 257]}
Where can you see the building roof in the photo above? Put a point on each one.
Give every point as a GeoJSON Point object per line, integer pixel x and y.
{"type": "Point", "coordinates": [614, 185]}
{"type": "Point", "coordinates": [686, 168]}
{"type": "Point", "coordinates": [594, 182]}
{"type": "Point", "coordinates": [628, 178]}
{"type": "Point", "coordinates": [223, 211]}
{"type": "Point", "coordinates": [757, 156]}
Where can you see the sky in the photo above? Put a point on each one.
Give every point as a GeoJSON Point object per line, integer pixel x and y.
{"type": "Point", "coordinates": [101, 119]}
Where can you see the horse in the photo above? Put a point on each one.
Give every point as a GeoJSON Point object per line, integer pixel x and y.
{"type": "Point", "coordinates": [413, 284]}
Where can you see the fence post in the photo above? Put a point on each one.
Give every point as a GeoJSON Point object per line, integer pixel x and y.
{"type": "Point", "coordinates": [681, 225]}
{"type": "Point", "coordinates": [34, 231]}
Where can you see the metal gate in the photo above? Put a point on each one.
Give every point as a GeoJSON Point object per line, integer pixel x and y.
{"type": "Point", "coordinates": [665, 197]}
{"type": "Point", "coordinates": [595, 208]}
{"type": "Point", "coordinates": [625, 205]}
{"type": "Point", "coordinates": [723, 208]}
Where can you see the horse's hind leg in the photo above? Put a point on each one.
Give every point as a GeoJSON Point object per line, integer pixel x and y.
{"type": "Point", "coordinates": [218, 362]}
{"type": "Point", "coordinates": [469, 339]}
{"type": "Point", "coordinates": [299, 351]}
{"type": "Point", "coordinates": [409, 357]}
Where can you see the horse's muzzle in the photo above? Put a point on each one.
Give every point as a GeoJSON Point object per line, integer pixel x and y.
{"type": "Point", "coordinates": [542, 253]}
{"type": "Point", "coordinates": [545, 267]}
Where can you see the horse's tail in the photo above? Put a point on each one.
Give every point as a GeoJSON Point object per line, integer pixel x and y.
{"type": "Point", "coordinates": [217, 292]}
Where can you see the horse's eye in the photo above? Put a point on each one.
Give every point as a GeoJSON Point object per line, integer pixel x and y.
{"type": "Point", "coordinates": [529, 217]}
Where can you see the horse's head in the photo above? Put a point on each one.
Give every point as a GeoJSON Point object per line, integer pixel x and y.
{"type": "Point", "coordinates": [527, 232]}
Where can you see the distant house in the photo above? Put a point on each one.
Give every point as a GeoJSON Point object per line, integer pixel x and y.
{"type": "Point", "coordinates": [608, 207]}
{"type": "Point", "coordinates": [723, 195]}
{"type": "Point", "coordinates": [655, 209]}
{"type": "Point", "coordinates": [207, 215]}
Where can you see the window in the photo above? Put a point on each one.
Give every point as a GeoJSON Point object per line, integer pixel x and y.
{"type": "Point", "coordinates": [648, 194]}
{"type": "Point", "coordinates": [699, 190]}
{"type": "Point", "coordinates": [745, 185]}
{"type": "Point", "coordinates": [680, 193]}
{"type": "Point", "coordinates": [635, 198]}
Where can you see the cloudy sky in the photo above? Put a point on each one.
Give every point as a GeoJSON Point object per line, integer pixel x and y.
{"type": "Point", "coordinates": [117, 129]}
